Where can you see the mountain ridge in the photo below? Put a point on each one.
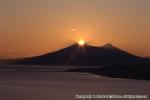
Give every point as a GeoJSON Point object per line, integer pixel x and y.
{"type": "Point", "coordinates": [85, 55]}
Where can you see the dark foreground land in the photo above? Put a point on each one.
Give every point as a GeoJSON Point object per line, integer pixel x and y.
{"type": "Point", "coordinates": [141, 72]}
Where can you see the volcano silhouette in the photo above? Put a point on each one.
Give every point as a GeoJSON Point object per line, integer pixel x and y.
{"type": "Point", "coordinates": [84, 55]}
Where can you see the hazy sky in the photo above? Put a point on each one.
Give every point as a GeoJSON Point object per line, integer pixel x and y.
{"type": "Point", "coordinates": [33, 27]}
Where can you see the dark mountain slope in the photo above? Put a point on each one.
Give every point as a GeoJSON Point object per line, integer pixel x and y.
{"type": "Point", "coordinates": [85, 55]}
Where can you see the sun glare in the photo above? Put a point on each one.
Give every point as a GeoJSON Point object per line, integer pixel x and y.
{"type": "Point", "coordinates": [81, 42]}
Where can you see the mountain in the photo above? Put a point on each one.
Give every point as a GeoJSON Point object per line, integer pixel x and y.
{"type": "Point", "coordinates": [85, 55]}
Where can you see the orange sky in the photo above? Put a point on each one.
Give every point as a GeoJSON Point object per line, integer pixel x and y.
{"type": "Point", "coordinates": [33, 27]}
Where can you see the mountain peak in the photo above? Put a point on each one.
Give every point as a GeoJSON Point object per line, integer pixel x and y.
{"type": "Point", "coordinates": [108, 45]}
{"type": "Point", "coordinates": [77, 45]}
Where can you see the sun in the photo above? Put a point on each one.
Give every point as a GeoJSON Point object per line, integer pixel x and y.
{"type": "Point", "coordinates": [81, 42]}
